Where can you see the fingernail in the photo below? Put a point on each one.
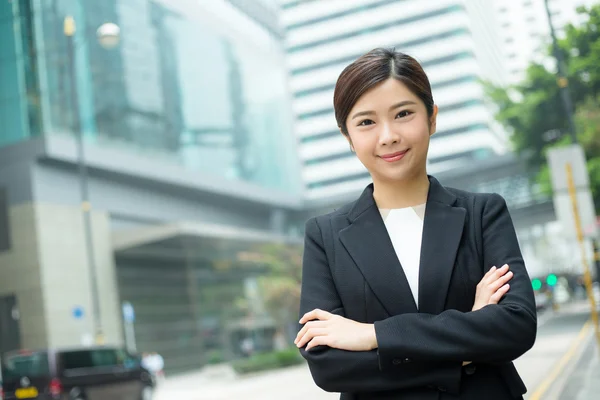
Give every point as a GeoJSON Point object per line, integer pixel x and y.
{"type": "Point", "coordinates": [493, 268]}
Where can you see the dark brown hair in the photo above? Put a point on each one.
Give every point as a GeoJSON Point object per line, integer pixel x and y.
{"type": "Point", "coordinates": [373, 68]}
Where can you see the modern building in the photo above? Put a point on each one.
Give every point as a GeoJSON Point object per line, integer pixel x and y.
{"type": "Point", "coordinates": [526, 33]}
{"type": "Point", "coordinates": [192, 169]}
{"type": "Point", "coordinates": [457, 42]}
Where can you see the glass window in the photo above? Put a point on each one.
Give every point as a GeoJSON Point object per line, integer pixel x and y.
{"type": "Point", "coordinates": [31, 365]}
{"type": "Point", "coordinates": [92, 359]}
{"type": "Point", "coordinates": [19, 95]}
{"type": "Point", "coordinates": [174, 88]}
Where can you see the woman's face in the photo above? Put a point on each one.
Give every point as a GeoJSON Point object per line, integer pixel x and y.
{"type": "Point", "coordinates": [389, 130]}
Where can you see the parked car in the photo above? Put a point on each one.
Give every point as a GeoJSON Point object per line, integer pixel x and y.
{"type": "Point", "coordinates": [97, 373]}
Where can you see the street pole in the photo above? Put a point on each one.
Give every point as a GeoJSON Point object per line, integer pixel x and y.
{"type": "Point", "coordinates": [587, 277]}
{"type": "Point", "coordinates": [563, 82]}
{"type": "Point", "coordinates": [69, 31]}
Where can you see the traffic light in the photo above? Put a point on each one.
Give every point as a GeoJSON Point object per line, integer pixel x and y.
{"type": "Point", "coordinates": [551, 280]}
{"type": "Point", "coordinates": [537, 284]}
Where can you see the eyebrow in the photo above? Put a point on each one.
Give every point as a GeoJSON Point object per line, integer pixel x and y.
{"type": "Point", "coordinates": [397, 105]}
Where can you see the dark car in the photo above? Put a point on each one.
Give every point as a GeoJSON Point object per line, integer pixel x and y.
{"type": "Point", "coordinates": [98, 373]}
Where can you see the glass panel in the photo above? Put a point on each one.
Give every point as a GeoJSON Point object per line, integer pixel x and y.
{"type": "Point", "coordinates": [92, 358]}
{"type": "Point", "coordinates": [173, 88]}
{"type": "Point", "coordinates": [18, 365]}
{"type": "Point", "coordinates": [19, 109]}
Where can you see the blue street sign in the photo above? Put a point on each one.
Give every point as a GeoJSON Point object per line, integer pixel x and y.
{"type": "Point", "coordinates": [78, 312]}
{"type": "Point", "coordinates": [128, 312]}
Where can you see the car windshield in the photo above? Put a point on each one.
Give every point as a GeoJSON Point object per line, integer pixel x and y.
{"type": "Point", "coordinates": [15, 366]}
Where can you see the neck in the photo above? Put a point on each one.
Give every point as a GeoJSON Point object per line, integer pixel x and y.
{"type": "Point", "coordinates": [401, 194]}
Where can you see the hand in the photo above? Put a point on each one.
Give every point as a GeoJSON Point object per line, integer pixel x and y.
{"type": "Point", "coordinates": [493, 287]}
{"type": "Point", "coordinates": [322, 328]}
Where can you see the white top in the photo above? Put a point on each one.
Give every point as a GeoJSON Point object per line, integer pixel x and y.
{"type": "Point", "coordinates": [405, 228]}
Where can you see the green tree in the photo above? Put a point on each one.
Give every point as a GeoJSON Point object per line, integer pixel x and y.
{"type": "Point", "coordinates": [532, 110]}
{"type": "Point", "coordinates": [279, 281]}
{"type": "Point", "coordinates": [280, 286]}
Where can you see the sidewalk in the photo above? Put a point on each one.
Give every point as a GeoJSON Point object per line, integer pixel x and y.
{"type": "Point", "coordinates": [584, 381]}
{"type": "Point", "coordinates": [577, 375]}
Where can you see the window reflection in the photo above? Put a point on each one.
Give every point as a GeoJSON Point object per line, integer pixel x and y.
{"type": "Point", "coordinates": [176, 88]}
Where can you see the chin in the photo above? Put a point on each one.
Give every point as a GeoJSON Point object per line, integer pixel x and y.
{"type": "Point", "coordinates": [398, 175]}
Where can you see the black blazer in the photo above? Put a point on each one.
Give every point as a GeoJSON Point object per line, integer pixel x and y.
{"type": "Point", "coordinates": [350, 268]}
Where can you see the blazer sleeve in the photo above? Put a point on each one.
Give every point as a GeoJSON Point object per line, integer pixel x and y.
{"type": "Point", "coordinates": [494, 334]}
{"type": "Point", "coordinates": [336, 370]}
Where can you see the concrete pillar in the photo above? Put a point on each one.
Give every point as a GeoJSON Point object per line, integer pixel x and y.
{"type": "Point", "coordinates": [46, 268]}
{"type": "Point", "coordinates": [20, 276]}
{"type": "Point", "coordinates": [66, 278]}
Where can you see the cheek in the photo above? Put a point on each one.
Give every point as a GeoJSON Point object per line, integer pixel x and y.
{"type": "Point", "coordinates": [362, 144]}
{"type": "Point", "coordinates": [417, 134]}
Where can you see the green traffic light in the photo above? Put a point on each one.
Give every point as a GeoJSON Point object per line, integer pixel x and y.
{"type": "Point", "coordinates": [537, 284]}
{"type": "Point", "coordinates": [551, 280]}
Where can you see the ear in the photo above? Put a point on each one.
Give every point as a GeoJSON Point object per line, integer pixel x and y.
{"type": "Point", "coordinates": [433, 121]}
{"type": "Point", "coordinates": [348, 139]}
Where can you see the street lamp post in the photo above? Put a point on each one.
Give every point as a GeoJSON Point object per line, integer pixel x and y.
{"type": "Point", "coordinates": [563, 82]}
{"type": "Point", "coordinates": [108, 37]}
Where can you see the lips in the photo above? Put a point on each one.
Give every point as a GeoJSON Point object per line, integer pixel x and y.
{"type": "Point", "coordinates": [393, 157]}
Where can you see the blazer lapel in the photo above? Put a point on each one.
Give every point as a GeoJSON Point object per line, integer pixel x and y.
{"type": "Point", "coordinates": [368, 243]}
{"type": "Point", "coordinates": [442, 232]}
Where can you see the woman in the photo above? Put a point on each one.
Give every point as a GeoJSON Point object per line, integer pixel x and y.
{"type": "Point", "coordinates": [400, 295]}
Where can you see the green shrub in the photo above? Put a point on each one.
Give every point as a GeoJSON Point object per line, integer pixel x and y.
{"type": "Point", "coordinates": [267, 361]}
{"type": "Point", "coordinates": [215, 357]}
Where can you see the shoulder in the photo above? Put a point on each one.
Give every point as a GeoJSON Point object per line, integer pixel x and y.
{"type": "Point", "coordinates": [319, 222]}
{"type": "Point", "coordinates": [478, 201]}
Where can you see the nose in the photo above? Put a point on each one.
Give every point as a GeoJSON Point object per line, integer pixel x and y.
{"type": "Point", "coordinates": [388, 136]}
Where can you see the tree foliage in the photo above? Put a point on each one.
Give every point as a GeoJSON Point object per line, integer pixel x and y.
{"type": "Point", "coordinates": [533, 109]}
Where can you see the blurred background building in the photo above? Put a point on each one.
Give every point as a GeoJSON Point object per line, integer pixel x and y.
{"type": "Point", "coordinates": [525, 30]}
{"type": "Point", "coordinates": [192, 167]}
{"type": "Point", "coordinates": [455, 41]}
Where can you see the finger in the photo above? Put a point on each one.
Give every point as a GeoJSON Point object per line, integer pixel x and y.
{"type": "Point", "coordinates": [496, 297]}
{"type": "Point", "coordinates": [307, 326]}
{"type": "Point", "coordinates": [302, 332]}
{"type": "Point", "coordinates": [490, 272]}
{"type": "Point", "coordinates": [498, 283]}
{"type": "Point", "coordinates": [318, 341]}
{"type": "Point", "coordinates": [310, 335]}
{"type": "Point", "coordinates": [497, 274]}
{"type": "Point", "coordinates": [502, 270]}
{"type": "Point", "coordinates": [315, 314]}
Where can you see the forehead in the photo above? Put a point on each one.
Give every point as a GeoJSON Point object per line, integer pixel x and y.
{"type": "Point", "coordinates": [389, 91]}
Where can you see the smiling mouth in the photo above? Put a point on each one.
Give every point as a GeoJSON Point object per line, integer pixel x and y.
{"type": "Point", "coordinates": [393, 157]}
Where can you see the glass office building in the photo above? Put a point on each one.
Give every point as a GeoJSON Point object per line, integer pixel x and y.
{"type": "Point", "coordinates": [176, 86]}
{"type": "Point", "coordinates": [192, 168]}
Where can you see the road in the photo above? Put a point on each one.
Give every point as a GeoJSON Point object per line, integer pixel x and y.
{"type": "Point", "coordinates": [556, 333]}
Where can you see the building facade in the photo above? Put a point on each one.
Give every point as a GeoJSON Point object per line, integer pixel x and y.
{"type": "Point", "coordinates": [526, 33]}
{"type": "Point", "coordinates": [455, 40]}
{"type": "Point", "coordinates": [192, 170]}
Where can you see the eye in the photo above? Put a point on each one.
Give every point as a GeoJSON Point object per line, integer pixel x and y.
{"type": "Point", "coordinates": [365, 122]}
{"type": "Point", "coordinates": [404, 114]}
